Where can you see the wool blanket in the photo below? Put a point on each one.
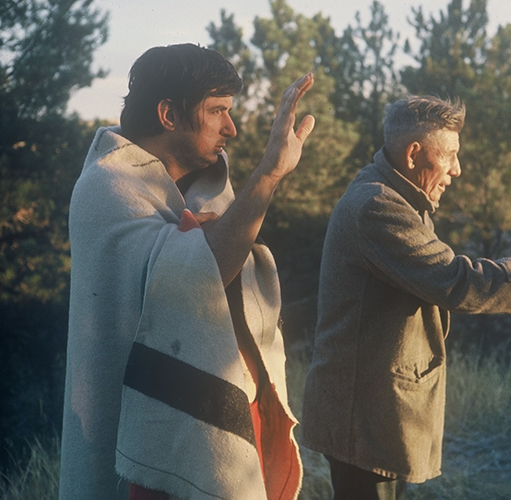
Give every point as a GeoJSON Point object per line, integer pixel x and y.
{"type": "Point", "coordinates": [155, 386]}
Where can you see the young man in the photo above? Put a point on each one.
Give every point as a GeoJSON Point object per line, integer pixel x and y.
{"type": "Point", "coordinates": [375, 394]}
{"type": "Point", "coordinates": [175, 373]}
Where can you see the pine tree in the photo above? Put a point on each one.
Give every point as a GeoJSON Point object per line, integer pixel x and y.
{"type": "Point", "coordinates": [46, 50]}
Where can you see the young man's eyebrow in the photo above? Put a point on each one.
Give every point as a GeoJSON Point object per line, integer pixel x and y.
{"type": "Point", "coordinates": [221, 107]}
{"type": "Point", "coordinates": [214, 102]}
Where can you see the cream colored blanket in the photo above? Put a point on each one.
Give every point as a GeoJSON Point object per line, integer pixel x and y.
{"type": "Point", "coordinates": [148, 310]}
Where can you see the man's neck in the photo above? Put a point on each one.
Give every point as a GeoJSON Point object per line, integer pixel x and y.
{"type": "Point", "coordinates": [156, 146]}
{"type": "Point", "coordinates": [395, 161]}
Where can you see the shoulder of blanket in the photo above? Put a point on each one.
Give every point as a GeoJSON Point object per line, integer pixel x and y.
{"type": "Point", "coordinates": [115, 161]}
{"type": "Point", "coordinates": [120, 178]}
{"type": "Point", "coordinates": [111, 148]}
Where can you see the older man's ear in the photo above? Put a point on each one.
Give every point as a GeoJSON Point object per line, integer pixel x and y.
{"type": "Point", "coordinates": [411, 154]}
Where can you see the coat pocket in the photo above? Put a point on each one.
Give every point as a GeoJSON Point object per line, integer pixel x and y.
{"type": "Point", "coordinates": [416, 376]}
{"type": "Point", "coordinates": [399, 428]}
{"type": "Point", "coordinates": [417, 407]}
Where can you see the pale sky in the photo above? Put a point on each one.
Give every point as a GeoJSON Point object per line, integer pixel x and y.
{"type": "Point", "coordinates": [136, 25]}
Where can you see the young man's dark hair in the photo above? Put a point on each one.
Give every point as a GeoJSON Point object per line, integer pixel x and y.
{"type": "Point", "coordinates": [184, 73]}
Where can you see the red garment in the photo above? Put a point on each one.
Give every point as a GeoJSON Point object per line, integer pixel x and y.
{"type": "Point", "coordinates": [256, 420]}
{"type": "Point", "coordinates": [140, 493]}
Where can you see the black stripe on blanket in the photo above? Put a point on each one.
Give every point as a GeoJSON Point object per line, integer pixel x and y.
{"type": "Point", "coordinates": [188, 389]}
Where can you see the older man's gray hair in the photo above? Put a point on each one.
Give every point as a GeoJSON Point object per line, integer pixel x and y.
{"type": "Point", "coordinates": [414, 117]}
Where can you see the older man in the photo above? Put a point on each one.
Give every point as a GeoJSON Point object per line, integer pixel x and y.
{"type": "Point", "coordinates": [375, 393]}
{"type": "Point", "coordinates": [175, 368]}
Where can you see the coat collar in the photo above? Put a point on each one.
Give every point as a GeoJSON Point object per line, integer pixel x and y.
{"type": "Point", "coordinates": [413, 194]}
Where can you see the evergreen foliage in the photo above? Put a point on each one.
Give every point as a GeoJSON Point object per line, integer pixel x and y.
{"type": "Point", "coordinates": [46, 50]}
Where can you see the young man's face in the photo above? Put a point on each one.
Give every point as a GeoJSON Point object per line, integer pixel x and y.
{"type": "Point", "coordinates": [437, 163]}
{"type": "Point", "coordinates": [200, 146]}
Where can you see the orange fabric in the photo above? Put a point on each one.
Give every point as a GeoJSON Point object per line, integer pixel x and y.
{"type": "Point", "coordinates": [256, 420]}
{"type": "Point", "coordinates": [140, 493]}
{"type": "Point", "coordinates": [188, 221]}
{"type": "Point", "coordinates": [283, 472]}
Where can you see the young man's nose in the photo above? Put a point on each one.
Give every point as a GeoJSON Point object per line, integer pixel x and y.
{"type": "Point", "coordinates": [229, 129]}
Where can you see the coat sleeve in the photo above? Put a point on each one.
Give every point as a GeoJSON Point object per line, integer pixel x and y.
{"type": "Point", "coordinates": [403, 251]}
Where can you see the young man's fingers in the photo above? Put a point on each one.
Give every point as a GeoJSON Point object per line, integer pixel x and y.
{"type": "Point", "coordinates": [295, 92]}
{"type": "Point", "coordinates": [285, 118]}
{"type": "Point", "coordinates": [306, 84]}
{"type": "Point", "coordinates": [305, 127]}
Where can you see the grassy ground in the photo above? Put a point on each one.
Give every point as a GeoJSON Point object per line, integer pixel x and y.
{"type": "Point", "coordinates": [477, 445]}
{"type": "Point", "coordinates": [37, 479]}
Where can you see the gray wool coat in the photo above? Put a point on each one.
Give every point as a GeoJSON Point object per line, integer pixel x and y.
{"type": "Point", "coordinates": [375, 393]}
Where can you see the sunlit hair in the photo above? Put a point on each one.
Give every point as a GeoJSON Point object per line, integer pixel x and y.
{"type": "Point", "coordinates": [414, 117]}
{"type": "Point", "coordinates": [184, 73]}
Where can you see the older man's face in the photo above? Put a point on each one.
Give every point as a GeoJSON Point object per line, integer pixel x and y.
{"type": "Point", "coordinates": [437, 163]}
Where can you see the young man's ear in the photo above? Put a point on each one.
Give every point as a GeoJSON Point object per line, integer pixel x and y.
{"type": "Point", "coordinates": [411, 154]}
{"type": "Point", "coordinates": [167, 114]}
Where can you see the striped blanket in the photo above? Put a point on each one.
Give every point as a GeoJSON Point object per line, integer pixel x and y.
{"type": "Point", "coordinates": [155, 385]}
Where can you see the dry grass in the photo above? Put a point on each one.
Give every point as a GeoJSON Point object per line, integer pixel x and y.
{"type": "Point", "coordinates": [37, 478]}
{"type": "Point", "coordinates": [477, 444]}
{"type": "Point", "coordinates": [316, 474]}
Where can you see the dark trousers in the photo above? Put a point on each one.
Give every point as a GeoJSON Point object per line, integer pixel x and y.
{"type": "Point", "coordinates": [351, 483]}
